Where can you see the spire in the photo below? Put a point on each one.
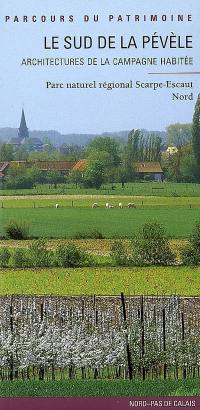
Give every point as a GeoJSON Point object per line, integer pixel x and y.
{"type": "Point", "coordinates": [23, 130]}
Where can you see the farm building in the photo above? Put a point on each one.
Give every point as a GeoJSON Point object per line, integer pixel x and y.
{"type": "Point", "coordinates": [151, 169]}
{"type": "Point", "coordinates": [80, 166]}
{"type": "Point", "coordinates": [62, 166]}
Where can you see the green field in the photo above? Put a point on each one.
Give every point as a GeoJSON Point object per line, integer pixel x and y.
{"type": "Point", "coordinates": [138, 188]}
{"type": "Point", "coordinates": [66, 222]}
{"type": "Point", "coordinates": [86, 201]}
{"type": "Point", "coordinates": [101, 281]}
{"type": "Point", "coordinates": [105, 388]}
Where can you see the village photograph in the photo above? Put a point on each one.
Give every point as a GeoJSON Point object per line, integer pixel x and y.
{"type": "Point", "coordinates": [99, 262]}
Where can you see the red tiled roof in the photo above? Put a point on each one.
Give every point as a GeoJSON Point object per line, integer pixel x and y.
{"type": "Point", "coordinates": [47, 165]}
{"type": "Point", "coordinates": [148, 167]}
{"type": "Point", "coordinates": [81, 165]}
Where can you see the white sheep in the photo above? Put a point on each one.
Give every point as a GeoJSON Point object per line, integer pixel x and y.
{"type": "Point", "coordinates": [131, 205]}
{"type": "Point", "coordinates": [57, 206]}
{"type": "Point", "coordinates": [120, 205]}
{"type": "Point", "coordinates": [95, 205]}
{"type": "Point", "coordinates": [107, 205]}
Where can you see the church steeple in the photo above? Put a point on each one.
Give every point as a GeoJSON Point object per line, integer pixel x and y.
{"type": "Point", "coordinates": [23, 130]}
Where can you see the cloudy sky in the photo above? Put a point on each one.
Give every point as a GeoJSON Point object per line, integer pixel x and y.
{"type": "Point", "coordinates": [94, 110]}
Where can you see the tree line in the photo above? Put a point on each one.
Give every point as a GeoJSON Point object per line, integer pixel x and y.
{"type": "Point", "coordinates": [111, 160]}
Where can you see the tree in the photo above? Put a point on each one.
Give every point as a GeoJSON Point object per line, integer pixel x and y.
{"type": "Point", "coordinates": [179, 134]}
{"type": "Point", "coordinates": [19, 177]}
{"type": "Point", "coordinates": [196, 134]}
{"type": "Point", "coordinates": [6, 152]}
{"type": "Point", "coordinates": [76, 177]}
{"type": "Point", "coordinates": [94, 175]}
{"type": "Point", "coordinates": [151, 246]}
{"type": "Point", "coordinates": [54, 178]}
{"type": "Point", "coordinates": [107, 145]}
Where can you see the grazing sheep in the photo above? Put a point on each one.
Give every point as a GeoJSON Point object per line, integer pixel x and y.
{"type": "Point", "coordinates": [57, 206]}
{"type": "Point", "coordinates": [95, 205]}
{"type": "Point", "coordinates": [120, 205]}
{"type": "Point", "coordinates": [131, 205]}
{"type": "Point", "coordinates": [108, 206]}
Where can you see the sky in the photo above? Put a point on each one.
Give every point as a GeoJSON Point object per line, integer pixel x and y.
{"type": "Point", "coordinates": [93, 110]}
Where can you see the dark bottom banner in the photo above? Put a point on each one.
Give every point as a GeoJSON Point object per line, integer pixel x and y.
{"type": "Point", "coordinates": [98, 403]}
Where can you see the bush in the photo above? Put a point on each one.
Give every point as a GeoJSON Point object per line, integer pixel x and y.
{"type": "Point", "coordinates": [39, 255]}
{"type": "Point", "coordinates": [17, 230]}
{"type": "Point", "coordinates": [4, 257]}
{"type": "Point", "coordinates": [151, 246]}
{"type": "Point", "coordinates": [119, 254]}
{"type": "Point", "coordinates": [191, 253]}
{"type": "Point", "coordinates": [71, 256]}
{"type": "Point", "coordinates": [20, 259]}
{"type": "Point", "coordinates": [190, 256]}
{"type": "Point", "coordinates": [95, 234]}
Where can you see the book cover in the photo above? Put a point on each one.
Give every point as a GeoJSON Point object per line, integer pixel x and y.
{"type": "Point", "coordinates": [99, 204]}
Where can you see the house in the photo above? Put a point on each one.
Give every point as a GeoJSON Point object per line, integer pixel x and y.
{"type": "Point", "coordinates": [61, 166]}
{"type": "Point", "coordinates": [151, 169]}
{"type": "Point", "coordinates": [80, 166]}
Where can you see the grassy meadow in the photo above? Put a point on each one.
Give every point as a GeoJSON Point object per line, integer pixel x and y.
{"type": "Point", "coordinates": [91, 388]}
{"type": "Point", "coordinates": [181, 280]}
{"type": "Point", "coordinates": [137, 188]}
{"type": "Point", "coordinates": [67, 222]}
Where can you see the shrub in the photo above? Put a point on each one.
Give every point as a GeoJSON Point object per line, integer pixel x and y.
{"type": "Point", "coordinates": [119, 253]}
{"type": "Point", "coordinates": [39, 254]}
{"type": "Point", "coordinates": [71, 256]}
{"type": "Point", "coordinates": [191, 253]}
{"type": "Point", "coordinates": [190, 256]}
{"type": "Point", "coordinates": [4, 257]}
{"type": "Point", "coordinates": [17, 230]}
{"type": "Point", "coordinates": [20, 259]}
{"type": "Point", "coordinates": [94, 234]}
{"type": "Point", "coordinates": [151, 246]}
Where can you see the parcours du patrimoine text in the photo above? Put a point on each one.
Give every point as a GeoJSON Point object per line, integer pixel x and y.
{"type": "Point", "coordinates": [153, 41]}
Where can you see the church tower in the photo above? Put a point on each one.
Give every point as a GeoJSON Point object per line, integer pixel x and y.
{"type": "Point", "coordinates": [23, 130]}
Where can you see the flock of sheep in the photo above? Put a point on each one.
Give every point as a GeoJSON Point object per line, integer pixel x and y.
{"type": "Point", "coordinates": [120, 205]}
{"type": "Point", "coordinates": [108, 206]}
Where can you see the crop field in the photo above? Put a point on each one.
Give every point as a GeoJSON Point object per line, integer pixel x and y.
{"type": "Point", "coordinates": [101, 281]}
{"type": "Point", "coordinates": [57, 338]}
{"type": "Point", "coordinates": [138, 188]}
{"type": "Point", "coordinates": [67, 222]}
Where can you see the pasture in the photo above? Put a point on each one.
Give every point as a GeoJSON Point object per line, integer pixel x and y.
{"type": "Point", "coordinates": [133, 188]}
{"type": "Point", "coordinates": [101, 281]}
{"type": "Point", "coordinates": [49, 222]}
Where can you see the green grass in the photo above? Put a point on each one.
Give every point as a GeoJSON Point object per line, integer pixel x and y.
{"type": "Point", "coordinates": [105, 388]}
{"type": "Point", "coordinates": [183, 281]}
{"type": "Point", "coordinates": [138, 188]}
{"type": "Point", "coordinates": [86, 201]}
{"type": "Point", "coordinates": [66, 222]}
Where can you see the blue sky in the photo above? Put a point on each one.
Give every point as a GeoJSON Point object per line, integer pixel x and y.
{"type": "Point", "coordinates": [91, 111]}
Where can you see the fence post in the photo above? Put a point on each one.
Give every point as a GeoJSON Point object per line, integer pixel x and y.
{"type": "Point", "coordinates": [164, 343]}
{"type": "Point", "coordinates": [183, 340]}
{"type": "Point", "coordinates": [11, 355]}
{"type": "Point", "coordinates": [142, 335]}
{"type": "Point", "coordinates": [129, 359]}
